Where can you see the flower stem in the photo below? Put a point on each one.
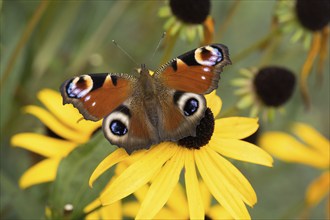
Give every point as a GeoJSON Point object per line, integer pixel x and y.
{"type": "Point", "coordinates": [257, 45]}
{"type": "Point", "coordinates": [228, 18]}
{"type": "Point", "coordinates": [24, 38]}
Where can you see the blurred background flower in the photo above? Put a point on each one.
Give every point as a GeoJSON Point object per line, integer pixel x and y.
{"type": "Point", "coordinates": [264, 90]}
{"type": "Point", "coordinates": [189, 19]}
{"type": "Point", "coordinates": [307, 21]}
{"type": "Point", "coordinates": [310, 148]}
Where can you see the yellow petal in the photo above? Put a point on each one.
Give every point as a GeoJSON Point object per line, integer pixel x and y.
{"type": "Point", "coordinates": [162, 187]}
{"type": "Point", "coordinates": [240, 82]}
{"type": "Point", "coordinates": [135, 156]}
{"type": "Point", "coordinates": [318, 189]}
{"type": "Point", "coordinates": [235, 127]}
{"type": "Point", "coordinates": [55, 125]}
{"type": "Point", "coordinates": [138, 173]}
{"type": "Point", "coordinates": [241, 150]}
{"type": "Point", "coordinates": [43, 145]}
{"type": "Point", "coordinates": [214, 103]}
{"type": "Point", "coordinates": [67, 114]}
{"type": "Point", "coordinates": [206, 196]}
{"type": "Point", "coordinates": [115, 157]}
{"type": "Point", "coordinates": [93, 205]}
{"type": "Point", "coordinates": [196, 209]}
{"type": "Point", "coordinates": [178, 202]}
{"type": "Point", "coordinates": [208, 33]}
{"type": "Point", "coordinates": [218, 212]}
{"type": "Point", "coordinates": [44, 171]}
{"type": "Point", "coordinates": [141, 193]}
{"type": "Point", "coordinates": [113, 211]}
{"type": "Point", "coordinates": [234, 177]}
{"type": "Point", "coordinates": [130, 209]}
{"type": "Point", "coordinates": [228, 198]}
{"type": "Point", "coordinates": [93, 216]}
{"type": "Point", "coordinates": [312, 138]}
{"type": "Point", "coordinates": [245, 101]}
{"type": "Point", "coordinates": [288, 149]}
{"type": "Point", "coordinates": [166, 213]}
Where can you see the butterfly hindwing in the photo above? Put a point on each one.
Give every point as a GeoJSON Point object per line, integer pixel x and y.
{"type": "Point", "coordinates": [196, 71]}
{"type": "Point", "coordinates": [180, 114]}
{"type": "Point", "coordinates": [128, 126]}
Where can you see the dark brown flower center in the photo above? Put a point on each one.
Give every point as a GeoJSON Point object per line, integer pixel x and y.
{"type": "Point", "coordinates": [314, 15]}
{"type": "Point", "coordinates": [274, 85]}
{"type": "Point", "coordinates": [204, 133]}
{"type": "Point", "coordinates": [191, 11]}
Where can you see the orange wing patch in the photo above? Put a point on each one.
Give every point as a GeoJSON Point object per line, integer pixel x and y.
{"type": "Point", "coordinates": [196, 79]}
{"type": "Point", "coordinates": [96, 95]}
{"type": "Point", "coordinates": [196, 71]}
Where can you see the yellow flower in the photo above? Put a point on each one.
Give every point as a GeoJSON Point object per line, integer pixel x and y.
{"type": "Point", "coordinates": [309, 22]}
{"type": "Point", "coordinates": [177, 205]}
{"type": "Point", "coordinates": [264, 90]}
{"type": "Point", "coordinates": [309, 148]}
{"type": "Point", "coordinates": [189, 19]}
{"type": "Point", "coordinates": [162, 165]}
{"type": "Point", "coordinates": [70, 131]}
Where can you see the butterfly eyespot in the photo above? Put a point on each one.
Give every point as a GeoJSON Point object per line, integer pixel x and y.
{"type": "Point", "coordinates": [118, 128]}
{"type": "Point", "coordinates": [116, 125]}
{"type": "Point", "coordinates": [79, 86]}
{"type": "Point", "coordinates": [190, 107]}
{"type": "Point", "coordinates": [189, 103]}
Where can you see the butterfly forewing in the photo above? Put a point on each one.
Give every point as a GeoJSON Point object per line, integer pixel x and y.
{"type": "Point", "coordinates": [196, 71]}
{"type": "Point", "coordinates": [96, 95]}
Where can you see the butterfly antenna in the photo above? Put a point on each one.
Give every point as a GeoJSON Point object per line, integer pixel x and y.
{"type": "Point", "coordinates": [124, 51]}
{"type": "Point", "coordinates": [158, 45]}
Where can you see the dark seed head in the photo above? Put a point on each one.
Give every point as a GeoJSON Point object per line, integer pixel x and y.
{"type": "Point", "coordinates": [314, 15]}
{"type": "Point", "coordinates": [204, 132]}
{"type": "Point", "coordinates": [207, 217]}
{"type": "Point", "coordinates": [191, 11]}
{"type": "Point", "coordinates": [274, 85]}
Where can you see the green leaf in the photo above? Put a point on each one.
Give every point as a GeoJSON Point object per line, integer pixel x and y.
{"type": "Point", "coordinates": [71, 184]}
{"type": "Point", "coordinates": [16, 203]}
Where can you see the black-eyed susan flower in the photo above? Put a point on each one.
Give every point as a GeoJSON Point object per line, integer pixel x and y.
{"type": "Point", "coordinates": [309, 22]}
{"type": "Point", "coordinates": [68, 129]}
{"type": "Point", "coordinates": [189, 19]}
{"type": "Point", "coordinates": [162, 165]}
{"type": "Point", "coordinates": [310, 148]}
{"type": "Point", "coordinates": [265, 89]}
{"type": "Point", "coordinates": [177, 205]}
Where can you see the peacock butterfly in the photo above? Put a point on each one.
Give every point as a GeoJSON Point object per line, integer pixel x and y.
{"type": "Point", "coordinates": [146, 109]}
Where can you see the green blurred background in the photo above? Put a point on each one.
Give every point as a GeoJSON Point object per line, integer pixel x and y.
{"type": "Point", "coordinates": [70, 35]}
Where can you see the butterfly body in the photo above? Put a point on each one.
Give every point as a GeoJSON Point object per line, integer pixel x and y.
{"type": "Point", "coordinates": [150, 108]}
